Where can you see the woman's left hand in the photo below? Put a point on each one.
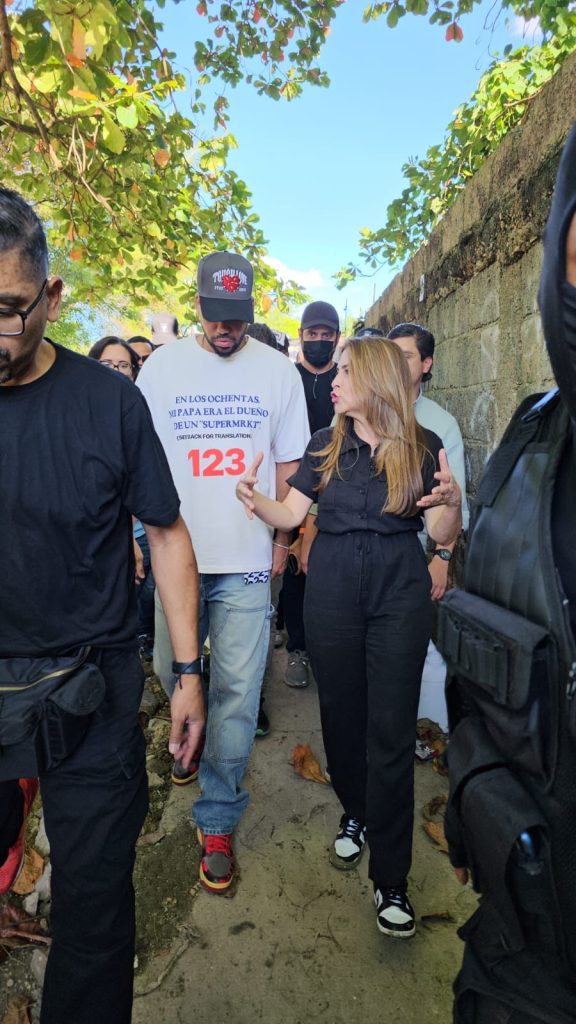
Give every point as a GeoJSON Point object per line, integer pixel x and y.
{"type": "Point", "coordinates": [447, 492]}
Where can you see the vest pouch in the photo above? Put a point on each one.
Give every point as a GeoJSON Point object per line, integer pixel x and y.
{"type": "Point", "coordinates": [502, 664]}
{"type": "Point", "coordinates": [507, 840]}
{"type": "Point", "coordinates": [48, 702]}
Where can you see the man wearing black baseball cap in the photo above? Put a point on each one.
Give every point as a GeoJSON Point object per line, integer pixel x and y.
{"type": "Point", "coordinates": [319, 333]}
{"type": "Point", "coordinates": [218, 400]}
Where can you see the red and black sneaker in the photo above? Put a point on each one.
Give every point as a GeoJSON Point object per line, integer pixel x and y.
{"type": "Point", "coordinates": [217, 863]}
{"type": "Point", "coordinates": [182, 776]}
{"type": "Point", "coordinates": [12, 866]}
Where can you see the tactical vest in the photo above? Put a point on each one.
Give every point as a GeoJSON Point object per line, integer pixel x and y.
{"type": "Point", "coordinates": [511, 686]}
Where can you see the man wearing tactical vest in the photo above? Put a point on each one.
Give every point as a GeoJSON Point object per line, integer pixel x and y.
{"type": "Point", "coordinates": [509, 639]}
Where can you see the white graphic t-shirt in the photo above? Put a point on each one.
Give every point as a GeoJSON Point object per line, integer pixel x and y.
{"type": "Point", "coordinates": [213, 415]}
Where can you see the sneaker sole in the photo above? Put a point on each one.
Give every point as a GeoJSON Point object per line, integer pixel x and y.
{"type": "Point", "coordinates": [393, 934]}
{"type": "Point", "coordinates": [343, 865]}
{"type": "Point", "coordinates": [185, 782]}
{"type": "Point", "coordinates": [217, 888]}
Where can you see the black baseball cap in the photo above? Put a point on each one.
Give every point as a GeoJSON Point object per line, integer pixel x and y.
{"type": "Point", "coordinates": [320, 314]}
{"type": "Point", "coordinates": [369, 332]}
{"type": "Point", "coordinates": [225, 282]}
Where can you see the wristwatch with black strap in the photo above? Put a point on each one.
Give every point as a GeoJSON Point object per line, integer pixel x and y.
{"type": "Point", "coordinates": [444, 553]}
{"type": "Point", "coordinates": [188, 668]}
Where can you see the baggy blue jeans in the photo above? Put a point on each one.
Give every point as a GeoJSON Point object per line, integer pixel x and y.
{"type": "Point", "coordinates": [236, 615]}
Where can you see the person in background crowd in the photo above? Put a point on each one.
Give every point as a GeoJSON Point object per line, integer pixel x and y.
{"type": "Point", "coordinates": [142, 346]}
{"type": "Point", "coordinates": [367, 610]}
{"type": "Point", "coordinates": [116, 354]}
{"type": "Point", "coordinates": [319, 333]}
{"type": "Point", "coordinates": [264, 334]}
{"type": "Point", "coordinates": [92, 461]}
{"type": "Point", "coordinates": [216, 401]}
{"type": "Point", "coordinates": [418, 344]}
{"type": "Point", "coordinates": [369, 332]}
{"type": "Point", "coordinates": [282, 342]}
{"type": "Point", "coordinates": [164, 328]}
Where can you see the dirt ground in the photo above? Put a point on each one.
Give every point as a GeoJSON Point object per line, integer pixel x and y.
{"type": "Point", "coordinates": [297, 941]}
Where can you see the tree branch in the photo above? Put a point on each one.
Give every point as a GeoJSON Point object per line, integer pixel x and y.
{"type": "Point", "coordinates": [8, 66]}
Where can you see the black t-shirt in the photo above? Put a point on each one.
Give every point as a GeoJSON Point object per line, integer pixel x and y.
{"type": "Point", "coordinates": [563, 518]}
{"type": "Point", "coordinates": [78, 456]}
{"type": "Point", "coordinates": [354, 497]}
{"type": "Point", "coordinates": [317, 388]}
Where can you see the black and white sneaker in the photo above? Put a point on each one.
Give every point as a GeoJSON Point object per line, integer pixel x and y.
{"type": "Point", "coordinates": [394, 913]}
{"type": "Point", "coordinates": [347, 849]}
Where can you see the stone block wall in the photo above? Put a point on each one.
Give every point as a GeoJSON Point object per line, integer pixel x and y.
{"type": "Point", "coordinates": [475, 283]}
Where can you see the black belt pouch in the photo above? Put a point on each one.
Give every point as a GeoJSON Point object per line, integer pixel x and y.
{"type": "Point", "coordinates": [49, 702]}
{"type": "Point", "coordinates": [505, 664]}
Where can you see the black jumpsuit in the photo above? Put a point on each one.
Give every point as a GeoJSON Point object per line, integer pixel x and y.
{"type": "Point", "coordinates": [367, 615]}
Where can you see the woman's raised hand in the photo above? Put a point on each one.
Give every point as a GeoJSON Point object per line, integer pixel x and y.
{"type": "Point", "coordinates": [245, 486]}
{"type": "Point", "coordinates": [447, 492]}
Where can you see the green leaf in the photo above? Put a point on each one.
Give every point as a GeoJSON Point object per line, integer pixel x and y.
{"type": "Point", "coordinates": [36, 49]}
{"type": "Point", "coordinates": [113, 136]}
{"type": "Point", "coordinates": [49, 80]}
{"type": "Point", "coordinates": [393, 16]}
{"type": "Point", "coordinates": [128, 116]}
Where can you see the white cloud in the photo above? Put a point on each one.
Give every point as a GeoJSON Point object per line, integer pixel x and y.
{"type": "Point", "coordinates": [526, 29]}
{"type": "Point", "coordinates": [307, 279]}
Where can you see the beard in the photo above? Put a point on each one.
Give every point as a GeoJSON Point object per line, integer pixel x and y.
{"type": "Point", "coordinates": [227, 352]}
{"type": "Point", "coordinates": [6, 369]}
{"type": "Point", "coordinates": [13, 368]}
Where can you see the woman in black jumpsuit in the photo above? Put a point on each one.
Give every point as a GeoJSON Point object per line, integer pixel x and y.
{"type": "Point", "coordinates": [368, 607]}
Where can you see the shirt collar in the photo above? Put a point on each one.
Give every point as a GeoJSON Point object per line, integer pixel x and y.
{"type": "Point", "coordinates": [351, 440]}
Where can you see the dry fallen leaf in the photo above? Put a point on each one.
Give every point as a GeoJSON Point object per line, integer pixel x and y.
{"type": "Point", "coordinates": [16, 927]}
{"type": "Point", "coordinates": [435, 829]}
{"type": "Point", "coordinates": [33, 868]}
{"type": "Point", "coordinates": [435, 807]}
{"type": "Point", "coordinates": [151, 838]}
{"type": "Point", "coordinates": [306, 765]}
{"type": "Point", "coordinates": [17, 1011]}
{"type": "Point", "coordinates": [438, 765]}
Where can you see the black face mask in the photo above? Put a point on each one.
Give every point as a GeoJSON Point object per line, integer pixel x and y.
{"type": "Point", "coordinates": [318, 353]}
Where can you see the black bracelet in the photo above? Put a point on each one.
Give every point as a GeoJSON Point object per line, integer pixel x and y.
{"type": "Point", "coordinates": [188, 668]}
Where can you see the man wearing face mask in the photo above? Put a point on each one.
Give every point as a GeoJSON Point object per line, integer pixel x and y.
{"type": "Point", "coordinates": [319, 333]}
{"type": "Point", "coordinates": [509, 640]}
{"type": "Point", "coordinates": [217, 400]}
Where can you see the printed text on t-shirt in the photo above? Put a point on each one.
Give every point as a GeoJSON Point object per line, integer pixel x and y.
{"type": "Point", "coordinates": [213, 462]}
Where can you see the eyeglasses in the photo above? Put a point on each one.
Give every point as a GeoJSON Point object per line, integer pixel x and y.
{"type": "Point", "coordinates": [142, 359]}
{"type": "Point", "coordinates": [122, 366]}
{"type": "Point", "coordinates": [13, 321]}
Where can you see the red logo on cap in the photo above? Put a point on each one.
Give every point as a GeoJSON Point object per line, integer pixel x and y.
{"type": "Point", "coordinates": [231, 282]}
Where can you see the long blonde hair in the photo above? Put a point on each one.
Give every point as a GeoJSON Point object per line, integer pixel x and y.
{"type": "Point", "coordinates": [380, 377]}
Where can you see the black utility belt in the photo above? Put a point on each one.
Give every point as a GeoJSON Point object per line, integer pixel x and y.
{"type": "Point", "coordinates": [48, 701]}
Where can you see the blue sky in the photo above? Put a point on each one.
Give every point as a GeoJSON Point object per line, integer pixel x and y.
{"type": "Point", "coordinates": [328, 163]}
